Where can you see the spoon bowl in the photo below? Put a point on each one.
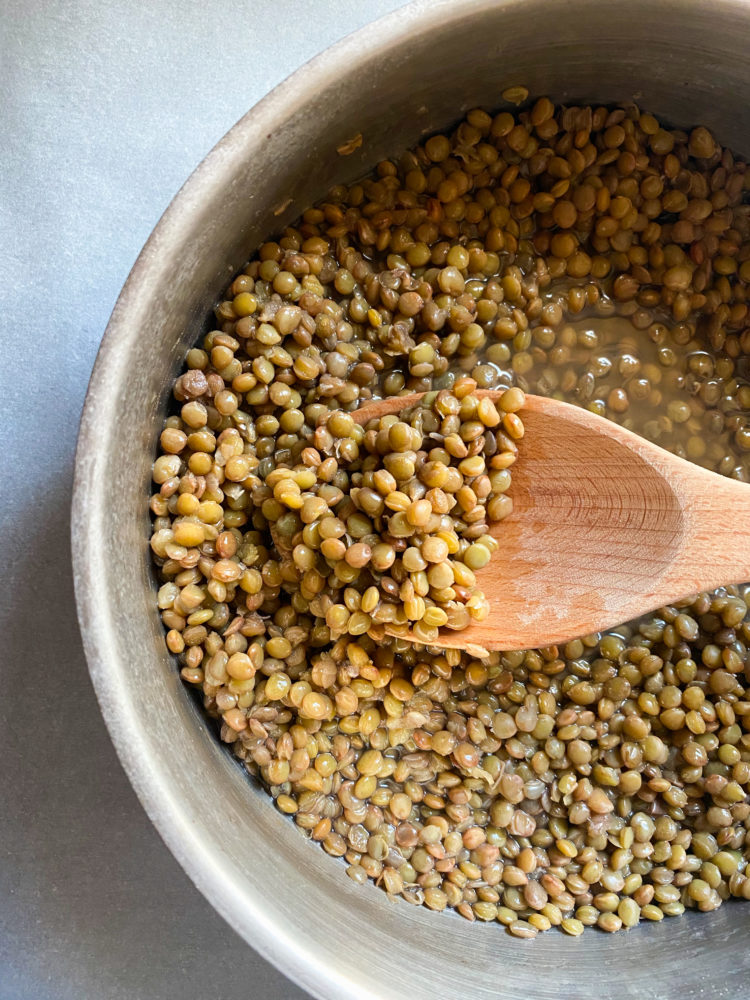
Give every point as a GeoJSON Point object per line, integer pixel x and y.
{"type": "Point", "coordinates": [605, 527]}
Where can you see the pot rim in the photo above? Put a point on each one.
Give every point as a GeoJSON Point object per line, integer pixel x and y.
{"type": "Point", "coordinates": [243, 911]}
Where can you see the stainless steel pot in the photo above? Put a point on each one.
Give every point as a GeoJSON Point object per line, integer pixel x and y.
{"type": "Point", "coordinates": [412, 72]}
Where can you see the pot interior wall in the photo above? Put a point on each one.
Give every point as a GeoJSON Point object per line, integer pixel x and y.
{"type": "Point", "coordinates": [393, 83]}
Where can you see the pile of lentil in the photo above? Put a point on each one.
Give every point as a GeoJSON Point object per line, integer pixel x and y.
{"type": "Point", "coordinates": [587, 253]}
{"type": "Point", "coordinates": [422, 495]}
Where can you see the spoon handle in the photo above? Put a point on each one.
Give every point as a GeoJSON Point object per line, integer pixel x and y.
{"type": "Point", "coordinates": [716, 546]}
{"type": "Point", "coordinates": [688, 529]}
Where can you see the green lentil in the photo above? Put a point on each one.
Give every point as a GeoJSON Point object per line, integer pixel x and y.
{"type": "Point", "coordinates": [520, 252]}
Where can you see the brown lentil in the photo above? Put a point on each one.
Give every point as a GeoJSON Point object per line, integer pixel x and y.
{"type": "Point", "coordinates": [589, 254]}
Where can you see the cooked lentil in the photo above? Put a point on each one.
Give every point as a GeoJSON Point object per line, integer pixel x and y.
{"type": "Point", "coordinates": [425, 488]}
{"type": "Point", "coordinates": [587, 253]}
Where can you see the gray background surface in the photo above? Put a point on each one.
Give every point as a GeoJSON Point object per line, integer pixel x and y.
{"type": "Point", "coordinates": [105, 108]}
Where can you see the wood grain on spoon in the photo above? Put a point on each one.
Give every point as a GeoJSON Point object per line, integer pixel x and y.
{"type": "Point", "coordinates": [605, 527]}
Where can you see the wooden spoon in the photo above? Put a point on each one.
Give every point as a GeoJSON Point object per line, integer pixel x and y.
{"type": "Point", "coordinates": [605, 527]}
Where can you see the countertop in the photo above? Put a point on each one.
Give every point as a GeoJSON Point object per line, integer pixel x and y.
{"type": "Point", "coordinates": [106, 109]}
